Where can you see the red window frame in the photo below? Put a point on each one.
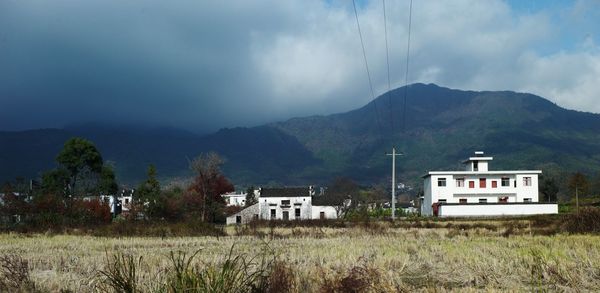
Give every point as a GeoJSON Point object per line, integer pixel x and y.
{"type": "Point", "coordinates": [471, 184]}
{"type": "Point", "coordinates": [482, 182]}
{"type": "Point", "coordinates": [494, 184]}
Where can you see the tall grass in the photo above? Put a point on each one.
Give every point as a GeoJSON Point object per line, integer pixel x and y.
{"type": "Point", "coordinates": [120, 273]}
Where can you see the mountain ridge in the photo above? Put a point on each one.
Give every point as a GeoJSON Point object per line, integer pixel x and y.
{"type": "Point", "coordinates": [442, 126]}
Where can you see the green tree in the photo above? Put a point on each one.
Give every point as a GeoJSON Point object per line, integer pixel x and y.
{"type": "Point", "coordinates": [250, 197]}
{"type": "Point", "coordinates": [148, 193]}
{"type": "Point", "coordinates": [82, 160]}
{"type": "Point", "coordinates": [108, 183]}
{"type": "Point", "coordinates": [549, 188]}
{"type": "Point", "coordinates": [55, 182]}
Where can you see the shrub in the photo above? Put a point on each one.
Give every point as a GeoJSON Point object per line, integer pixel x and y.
{"type": "Point", "coordinates": [587, 220]}
{"type": "Point", "coordinates": [14, 274]}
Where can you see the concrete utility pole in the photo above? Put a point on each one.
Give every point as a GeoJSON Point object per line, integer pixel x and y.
{"type": "Point", "coordinates": [394, 154]}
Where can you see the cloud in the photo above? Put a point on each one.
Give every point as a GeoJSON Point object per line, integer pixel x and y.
{"type": "Point", "coordinates": [211, 64]}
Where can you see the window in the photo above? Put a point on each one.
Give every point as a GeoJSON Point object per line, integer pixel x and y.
{"type": "Point", "coordinates": [483, 200]}
{"type": "Point", "coordinates": [460, 182]}
{"type": "Point", "coordinates": [285, 203]}
{"type": "Point", "coordinates": [297, 212]}
{"type": "Point", "coordinates": [126, 200]}
{"type": "Point", "coordinates": [462, 200]}
{"type": "Point", "coordinates": [494, 184]}
{"type": "Point", "coordinates": [526, 181]}
{"type": "Point", "coordinates": [481, 182]}
{"type": "Point", "coordinates": [505, 181]}
{"type": "Point", "coordinates": [441, 200]}
{"type": "Point", "coordinates": [527, 200]}
{"type": "Point", "coordinates": [441, 182]}
{"type": "Point", "coordinates": [238, 219]}
{"type": "Point", "coordinates": [475, 166]}
{"type": "Point", "coordinates": [471, 184]}
{"type": "Point", "coordinates": [273, 213]}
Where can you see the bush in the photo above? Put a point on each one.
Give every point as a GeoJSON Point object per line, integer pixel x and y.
{"type": "Point", "coordinates": [14, 274]}
{"type": "Point", "coordinates": [587, 220]}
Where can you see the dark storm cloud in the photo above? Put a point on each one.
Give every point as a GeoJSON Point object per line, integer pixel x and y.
{"type": "Point", "coordinates": [208, 64]}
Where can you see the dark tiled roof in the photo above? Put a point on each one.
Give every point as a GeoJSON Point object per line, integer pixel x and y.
{"type": "Point", "coordinates": [285, 192]}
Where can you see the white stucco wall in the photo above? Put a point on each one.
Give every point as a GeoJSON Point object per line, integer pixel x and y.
{"type": "Point", "coordinates": [483, 210]}
{"type": "Point", "coordinates": [329, 211]}
{"type": "Point", "coordinates": [301, 202]}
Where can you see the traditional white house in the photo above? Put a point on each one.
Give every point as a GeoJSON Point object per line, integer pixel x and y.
{"type": "Point", "coordinates": [478, 191]}
{"type": "Point", "coordinates": [283, 204]}
{"type": "Point", "coordinates": [121, 203]}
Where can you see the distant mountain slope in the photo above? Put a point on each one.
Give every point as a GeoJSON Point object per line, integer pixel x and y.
{"type": "Point", "coordinates": [442, 127]}
{"type": "Point", "coordinates": [260, 154]}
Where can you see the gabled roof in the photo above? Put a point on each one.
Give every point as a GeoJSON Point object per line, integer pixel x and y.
{"type": "Point", "coordinates": [285, 192]}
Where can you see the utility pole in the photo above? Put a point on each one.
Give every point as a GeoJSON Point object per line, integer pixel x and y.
{"type": "Point", "coordinates": [394, 154]}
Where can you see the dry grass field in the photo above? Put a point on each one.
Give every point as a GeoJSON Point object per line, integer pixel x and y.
{"type": "Point", "coordinates": [378, 258]}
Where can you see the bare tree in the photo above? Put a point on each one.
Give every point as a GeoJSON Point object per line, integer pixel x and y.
{"type": "Point", "coordinates": [209, 183]}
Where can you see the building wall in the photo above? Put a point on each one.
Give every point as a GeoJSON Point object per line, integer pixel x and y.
{"type": "Point", "coordinates": [247, 215]}
{"type": "Point", "coordinates": [475, 210]}
{"type": "Point", "coordinates": [275, 203]}
{"type": "Point", "coordinates": [329, 212]}
{"type": "Point", "coordinates": [427, 198]}
{"type": "Point", "coordinates": [516, 191]}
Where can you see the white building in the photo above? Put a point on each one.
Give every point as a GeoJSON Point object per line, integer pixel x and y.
{"type": "Point", "coordinates": [121, 203]}
{"type": "Point", "coordinates": [283, 204]}
{"type": "Point", "coordinates": [237, 198]}
{"type": "Point", "coordinates": [478, 191]}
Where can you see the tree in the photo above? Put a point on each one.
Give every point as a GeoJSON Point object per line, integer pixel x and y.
{"type": "Point", "coordinates": [578, 183]}
{"type": "Point", "coordinates": [343, 194]}
{"type": "Point", "coordinates": [549, 189]}
{"type": "Point", "coordinates": [55, 182]}
{"type": "Point", "coordinates": [148, 193]}
{"type": "Point", "coordinates": [108, 183]}
{"type": "Point", "coordinates": [250, 197]}
{"type": "Point", "coordinates": [204, 194]}
{"type": "Point", "coordinates": [81, 159]}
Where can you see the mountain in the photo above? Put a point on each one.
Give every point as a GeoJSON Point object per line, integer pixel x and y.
{"type": "Point", "coordinates": [441, 127]}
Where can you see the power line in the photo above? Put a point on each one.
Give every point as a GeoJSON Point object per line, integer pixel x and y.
{"type": "Point", "coordinates": [406, 71]}
{"type": "Point", "coordinates": [387, 60]}
{"type": "Point", "coordinates": [367, 67]}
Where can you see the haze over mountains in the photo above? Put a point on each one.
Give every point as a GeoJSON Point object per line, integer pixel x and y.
{"type": "Point", "coordinates": [442, 126]}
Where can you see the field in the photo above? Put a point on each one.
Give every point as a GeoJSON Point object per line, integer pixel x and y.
{"type": "Point", "coordinates": [374, 258]}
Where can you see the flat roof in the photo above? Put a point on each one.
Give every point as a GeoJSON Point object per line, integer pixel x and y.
{"type": "Point", "coordinates": [470, 159]}
{"type": "Point", "coordinates": [500, 172]}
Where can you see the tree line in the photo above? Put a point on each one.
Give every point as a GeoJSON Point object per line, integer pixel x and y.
{"type": "Point", "coordinates": [69, 195]}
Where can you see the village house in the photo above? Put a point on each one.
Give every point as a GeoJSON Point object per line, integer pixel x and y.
{"type": "Point", "coordinates": [119, 204]}
{"type": "Point", "coordinates": [237, 198]}
{"type": "Point", "coordinates": [283, 204]}
{"type": "Point", "coordinates": [478, 191]}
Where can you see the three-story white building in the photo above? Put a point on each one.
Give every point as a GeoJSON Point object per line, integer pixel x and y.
{"type": "Point", "coordinates": [478, 191]}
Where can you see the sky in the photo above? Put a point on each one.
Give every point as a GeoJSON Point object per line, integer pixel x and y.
{"type": "Point", "coordinates": [205, 65]}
